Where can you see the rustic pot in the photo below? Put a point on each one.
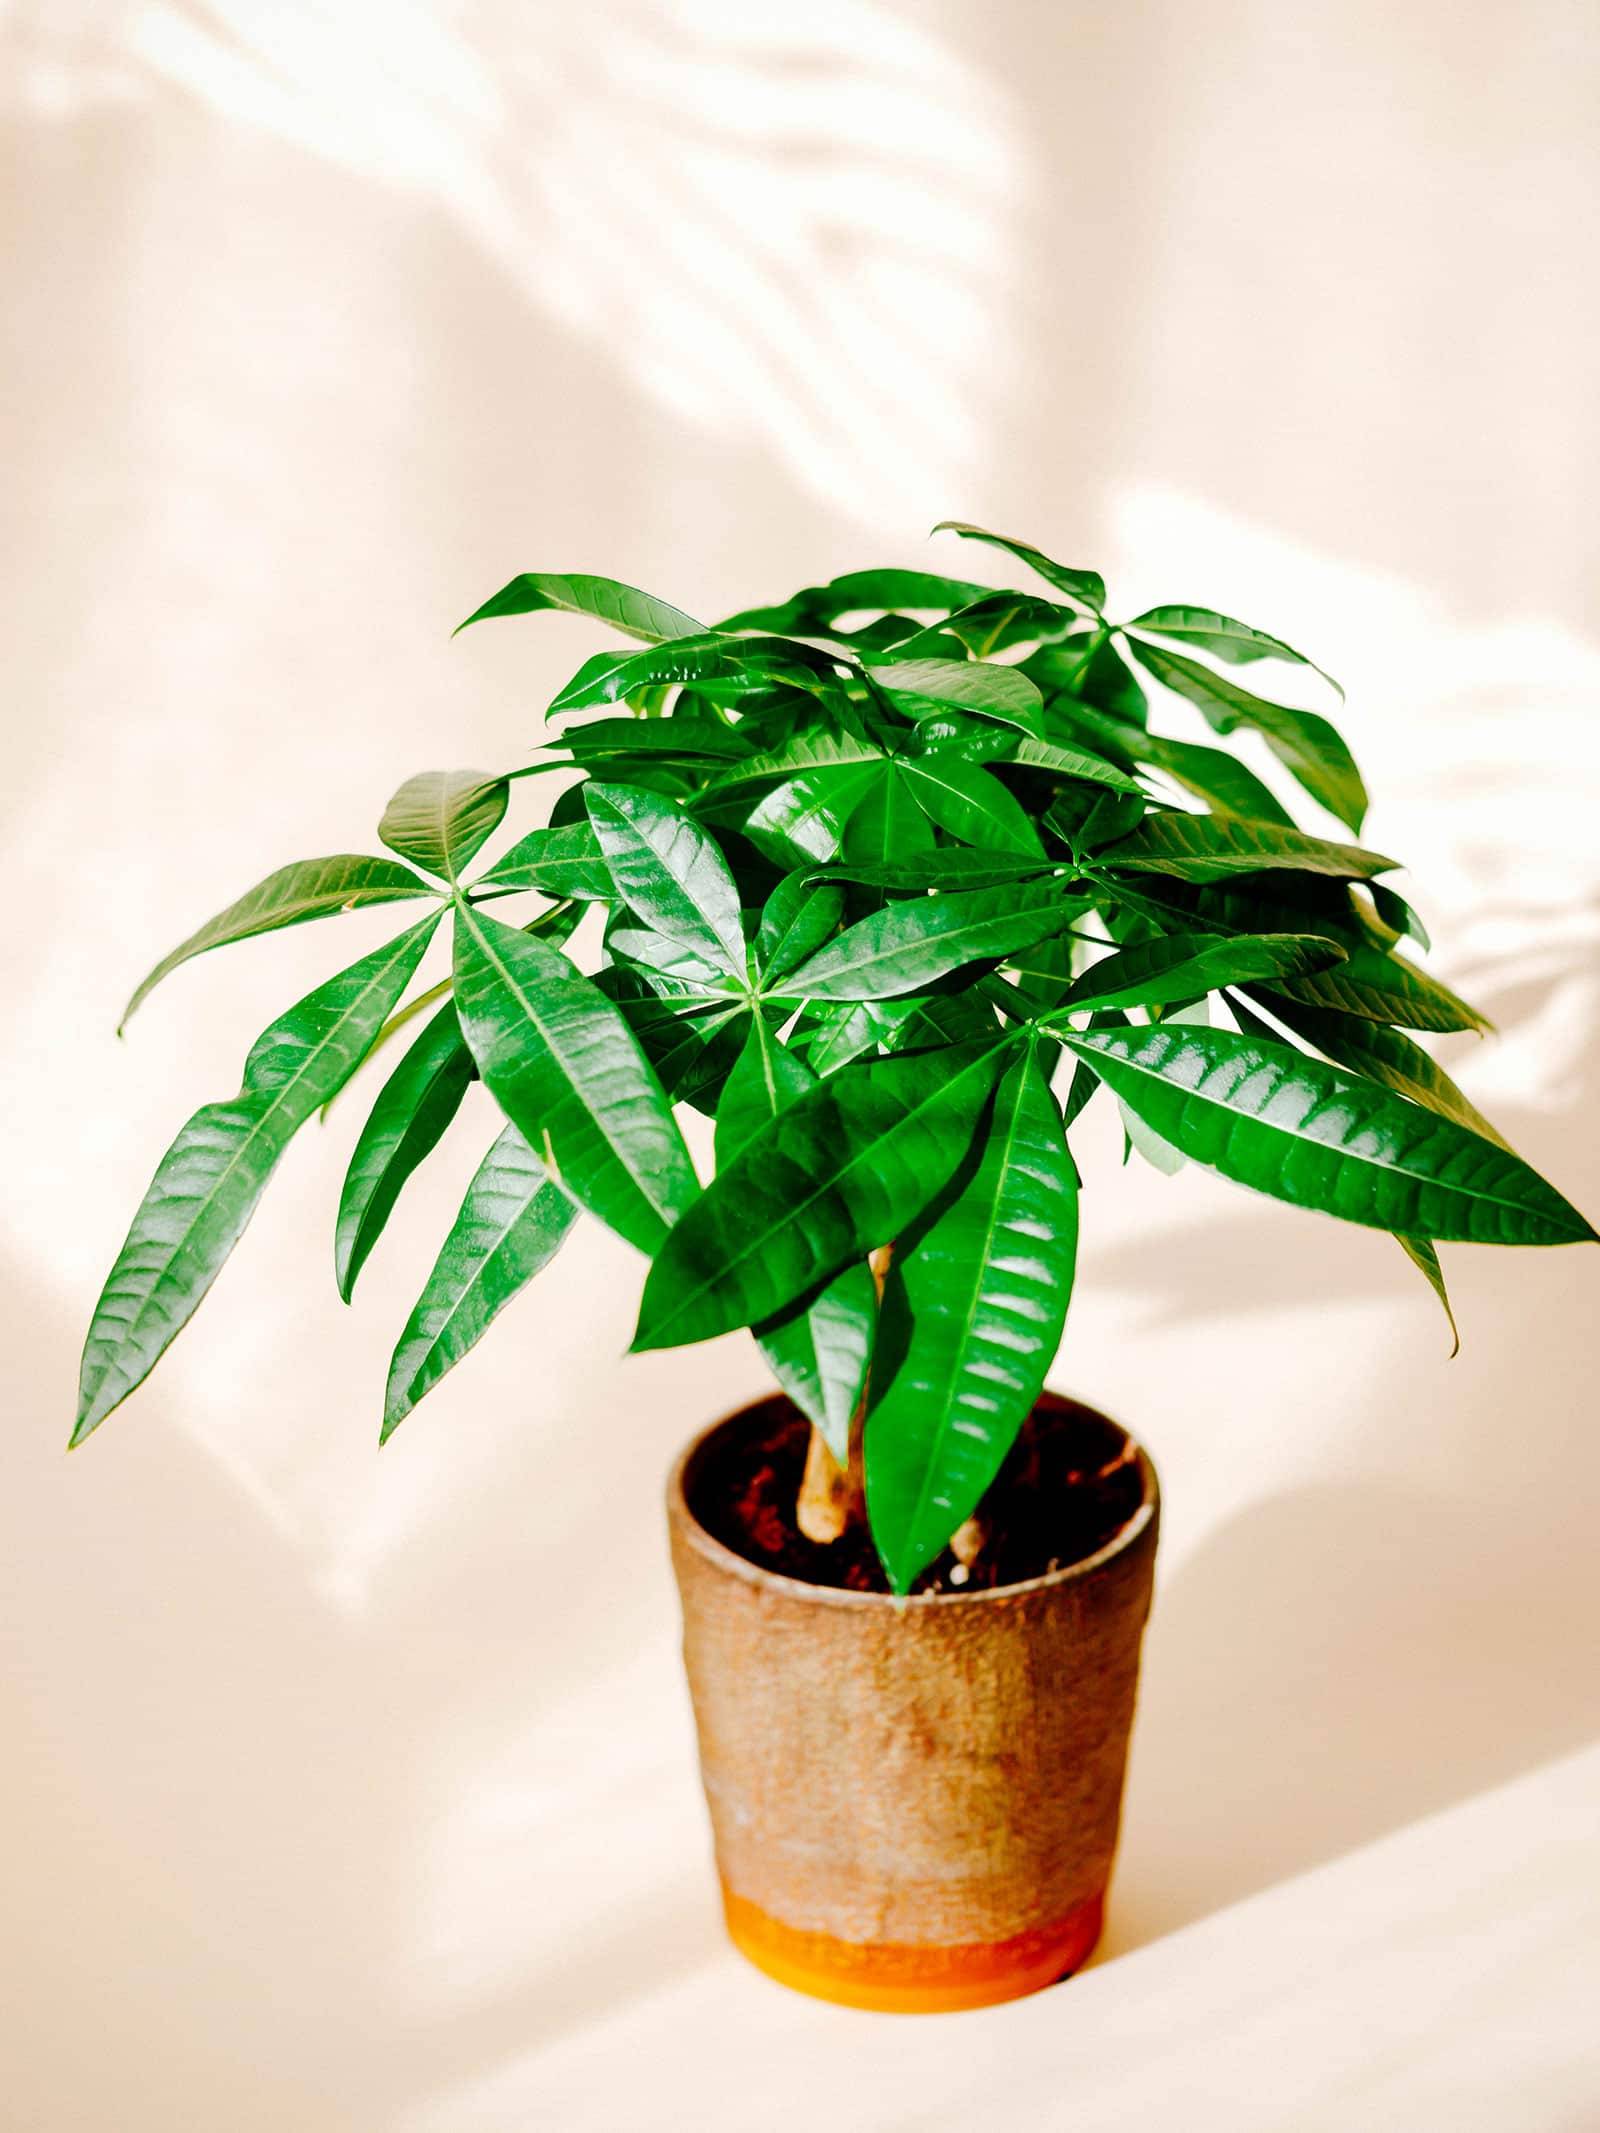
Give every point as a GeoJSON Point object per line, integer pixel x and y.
{"type": "Point", "coordinates": [914, 1803]}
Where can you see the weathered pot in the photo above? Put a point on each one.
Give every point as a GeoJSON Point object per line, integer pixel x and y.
{"type": "Point", "coordinates": [914, 1803]}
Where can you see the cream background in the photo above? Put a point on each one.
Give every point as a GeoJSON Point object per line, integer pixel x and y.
{"type": "Point", "coordinates": [355, 1794]}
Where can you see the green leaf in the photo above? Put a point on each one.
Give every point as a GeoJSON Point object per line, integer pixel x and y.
{"type": "Point", "coordinates": [803, 821]}
{"type": "Point", "coordinates": [1180, 966]}
{"type": "Point", "coordinates": [1220, 779]}
{"type": "Point", "coordinates": [886, 823]}
{"type": "Point", "coordinates": [1385, 1055]}
{"type": "Point", "coordinates": [838, 1032]}
{"type": "Point", "coordinates": [985, 1287]}
{"type": "Point", "coordinates": [1088, 669]}
{"type": "Point", "coordinates": [717, 666]}
{"type": "Point", "coordinates": [1386, 988]}
{"type": "Point", "coordinates": [1273, 1118]}
{"type": "Point", "coordinates": [670, 871]}
{"type": "Point", "coordinates": [816, 610]}
{"type": "Point", "coordinates": [689, 1046]}
{"type": "Point", "coordinates": [1308, 747]}
{"type": "Point", "coordinates": [413, 1108]}
{"type": "Point", "coordinates": [920, 686]}
{"type": "Point", "coordinates": [970, 803]}
{"type": "Point", "coordinates": [819, 750]}
{"type": "Point", "coordinates": [624, 607]}
{"type": "Point", "coordinates": [952, 867]}
{"type": "Point", "coordinates": [1086, 587]}
{"type": "Point", "coordinates": [835, 1175]}
{"type": "Point", "coordinates": [993, 624]}
{"type": "Point", "coordinates": [567, 1071]}
{"type": "Point", "coordinates": [440, 818]}
{"type": "Point", "coordinates": [1073, 763]}
{"type": "Point", "coordinates": [1395, 913]}
{"type": "Point", "coordinates": [818, 1348]}
{"type": "Point", "coordinates": [512, 1222]}
{"type": "Point", "coordinates": [208, 1183]}
{"type": "Point", "coordinates": [907, 946]}
{"type": "Point", "coordinates": [1213, 847]}
{"type": "Point", "coordinates": [1421, 1253]}
{"type": "Point", "coordinates": [560, 862]}
{"type": "Point", "coordinates": [675, 969]}
{"type": "Point", "coordinates": [1234, 642]}
{"type": "Point", "coordinates": [800, 915]}
{"type": "Point", "coordinates": [310, 888]}
{"type": "Point", "coordinates": [678, 739]}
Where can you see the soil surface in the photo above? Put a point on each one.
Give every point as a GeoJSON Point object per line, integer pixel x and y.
{"type": "Point", "coordinates": [1068, 1486]}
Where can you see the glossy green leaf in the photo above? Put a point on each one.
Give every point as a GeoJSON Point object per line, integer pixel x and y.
{"type": "Point", "coordinates": [670, 871]}
{"type": "Point", "coordinates": [818, 1348]}
{"type": "Point", "coordinates": [799, 917]}
{"type": "Point", "coordinates": [817, 609]}
{"type": "Point", "coordinates": [971, 803]}
{"type": "Point", "coordinates": [671, 740]}
{"type": "Point", "coordinates": [404, 1126]}
{"type": "Point", "coordinates": [1073, 763]}
{"type": "Point", "coordinates": [954, 866]}
{"type": "Point", "coordinates": [674, 968]}
{"type": "Point", "coordinates": [984, 1286]}
{"type": "Point", "coordinates": [1386, 988]}
{"type": "Point", "coordinates": [837, 1174]}
{"type": "Point", "coordinates": [996, 623]}
{"type": "Point", "coordinates": [689, 1046]}
{"type": "Point", "coordinates": [310, 888]}
{"type": "Point", "coordinates": [841, 1031]}
{"type": "Point", "coordinates": [822, 750]}
{"type": "Point", "coordinates": [1085, 819]}
{"type": "Point", "coordinates": [803, 820]}
{"type": "Point", "coordinates": [568, 1073]}
{"type": "Point", "coordinates": [1423, 1256]}
{"type": "Point", "coordinates": [1180, 966]}
{"type": "Point", "coordinates": [438, 819]}
{"type": "Point", "coordinates": [907, 946]}
{"type": "Point", "coordinates": [512, 1222]}
{"type": "Point", "coordinates": [918, 686]}
{"type": "Point", "coordinates": [1384, 1055]}
{"type": "Point", "coordinates": [1275, 1119]}
{"type": "Point", "coordinates": [1308, 747]}
{"type": "Point", "coordinates": [1218, 778]}
{"type": "Point", "coordinates": [208, 1183]}
{"type": "Point", "coordinates": [1086, 587]}
{"type": "Point", "coordinates": [1088, 669]}
{"type": "Point", "coordinates": [559, 862]}
{"type": "Point", "coordinates": [1397, 915]}
{"type": "Point", "coordinates": [886, 823]}
{"type": "Point", "coordinates": [1234, 642]}
{"type": "Point", "coordinates": [1213, 847]}
{"type": "Point", "coordinates": [624, 607]}
{"type": "Point", "coordinates": [717, 666]}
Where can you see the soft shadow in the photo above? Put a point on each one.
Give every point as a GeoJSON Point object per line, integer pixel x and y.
{"type": "Point", "coordinates": [1333, 1664]}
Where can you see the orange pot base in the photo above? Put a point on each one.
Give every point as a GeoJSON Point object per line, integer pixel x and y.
{"type": "Point", "coordinates": [899, 1979]}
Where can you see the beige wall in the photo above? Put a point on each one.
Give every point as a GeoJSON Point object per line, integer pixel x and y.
{"type": "Point", "coordinates": [331, 1783]}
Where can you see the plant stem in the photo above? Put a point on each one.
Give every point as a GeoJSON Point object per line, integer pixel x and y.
{"type": "Point", "coordinates": [833, 1497]}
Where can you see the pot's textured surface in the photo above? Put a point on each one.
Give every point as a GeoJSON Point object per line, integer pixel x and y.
{"type": "Point", "coordinates": [914, 1803]}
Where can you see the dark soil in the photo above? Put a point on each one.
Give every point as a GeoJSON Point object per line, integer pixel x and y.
{"type": "Point", "coordinates": [1068, 1486]}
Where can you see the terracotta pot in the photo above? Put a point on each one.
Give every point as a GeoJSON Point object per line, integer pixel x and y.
{"type": "Point", "coordinates": [914, 1803]}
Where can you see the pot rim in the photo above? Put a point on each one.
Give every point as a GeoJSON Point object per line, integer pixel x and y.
{"type": "Point", "coordinates": [727, 1560]}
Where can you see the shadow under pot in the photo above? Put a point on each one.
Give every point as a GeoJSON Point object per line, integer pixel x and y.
{"type": "Point", "coordinates": [914, 1802]}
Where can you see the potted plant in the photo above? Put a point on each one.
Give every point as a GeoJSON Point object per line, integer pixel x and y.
{"type": "Point", "coordinates": [889, 881]}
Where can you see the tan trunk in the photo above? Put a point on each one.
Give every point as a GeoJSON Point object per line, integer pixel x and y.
{"type": "Point", "coordinates": [833, 1497]}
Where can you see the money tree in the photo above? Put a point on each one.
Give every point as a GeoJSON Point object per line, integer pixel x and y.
{"type": "Point", "coordinates": [889, 880]}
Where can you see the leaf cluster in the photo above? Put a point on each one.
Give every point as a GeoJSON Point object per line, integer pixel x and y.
{"type": "Point", "coordinates": [889, 880]}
